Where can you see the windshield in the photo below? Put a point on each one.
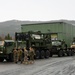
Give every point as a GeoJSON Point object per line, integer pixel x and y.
{"type": "Point", "coordinates": [9, 43]}
{"type": "Point", "coordinates": [56, 43]}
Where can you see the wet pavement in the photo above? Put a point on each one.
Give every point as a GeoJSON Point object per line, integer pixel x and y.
{"type": "Point", "coordinates": [51, 66]}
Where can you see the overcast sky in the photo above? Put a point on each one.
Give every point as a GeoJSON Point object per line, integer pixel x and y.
{"type": "Point", "coordinates": [37, 10]}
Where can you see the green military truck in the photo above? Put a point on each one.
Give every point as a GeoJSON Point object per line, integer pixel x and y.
{"type": "Point", "coordinates": [60, 48]}
{"type": "Point", "coordinates": [42, 43]}
{"type": "Point", "coordinates": [6, 50]}
{"type": "Point", "coordinates": [39, 41]}
{"type": "Point", "coordinates": [72, 47]}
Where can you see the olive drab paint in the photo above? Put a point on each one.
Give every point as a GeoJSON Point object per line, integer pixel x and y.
{"type": "Point", "coordinates": [63, 29]}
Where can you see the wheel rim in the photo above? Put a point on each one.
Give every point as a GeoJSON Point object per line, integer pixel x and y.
{"type": "Point", "coordinates": [42, 54]}
{"type": "Point", "coordinates": [60, 53]}
{"type": "Point", "coordinates": [47, 54]}
{"type": "Point", "coordinates": [37, 54]}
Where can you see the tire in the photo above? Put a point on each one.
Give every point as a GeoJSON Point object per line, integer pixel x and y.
{"type": "Point", "coordinates": [37, 56]}
{"type": "Point", "coordinates": [10, 57]}
{"type": "Point", "coordinates": [72, 53]}
{"type": "Point", "coordinates": [69, 53]}
{"type": "Point", "coordinates": [60, 53]}
{"type": "Point", "coordinates": [42, 54]}
{"type": "Point", "coordinates": [1, 59]}
{"type": "Point", "coordinates": [47, 54]}
{"type": "Point", "coordinates": [51, 54]}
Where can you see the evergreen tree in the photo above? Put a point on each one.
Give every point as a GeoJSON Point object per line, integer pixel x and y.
{"type": "Point", "coordinates": [1, 38]}
{"type": "Point", "coordinates": [8, 37]}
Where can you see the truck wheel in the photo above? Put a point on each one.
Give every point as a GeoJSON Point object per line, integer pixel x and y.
{"type": "Point", "coordinates": [47, 54]}
{"type": "Point", "coordinates": [1, 59]}
{"type": "Point", "coordinates": [51, 54]}
{"type": "Point", "coordinates": [37, 54]}
{"type": "Point", "coordinates": [69, 53]}
{"type": "Point", "coordinates": [42, 54]}
{"type": "Point", "coordinates": [60, 53]}
{"type": "Point", "coordinates": [10, 57]}
{"type": "Point", "coordinates": [72, 53]}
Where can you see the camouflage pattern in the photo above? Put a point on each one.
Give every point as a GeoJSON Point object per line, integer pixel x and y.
{"type": "Point", "coordinates": [25, 56]}
{"type": "Point", "coordinates": [31, 54]}
{"type": "Point", "coordinates": [15, 55]}
{"type": "Point", "coordinates": [19, 54]}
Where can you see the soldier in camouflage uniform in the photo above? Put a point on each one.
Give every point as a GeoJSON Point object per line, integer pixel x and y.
{"type": "Point", "coordinates": [19, 54]}
{"type": "Point", "coordinates": [31, 54]}
{"type": "Point", "coordinates": [15, 55]}
{"type": "Point", "coordinates": [25, 56]}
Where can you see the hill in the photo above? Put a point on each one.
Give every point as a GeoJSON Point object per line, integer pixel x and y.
{"type": "Point", "coordinates": [12, 26]}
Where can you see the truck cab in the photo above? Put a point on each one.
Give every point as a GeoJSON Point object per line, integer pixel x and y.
{"type": "Point", "coordinates": [56, 47]}
{"type": "Point", "coordinates": [60, 48]}
{"type": "Point", "coordinates": [6, 50]}
{"type": "Point", "coordinates": [73, 46]}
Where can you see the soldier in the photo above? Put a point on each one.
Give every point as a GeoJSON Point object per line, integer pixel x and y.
{"type": "Point", "coordinates": [19, 55]}
{"type": "Point", "coordinates": [31, 55]}
{"type": "Point", "coordinates": [15, 55]}
{"type": "Point", "coordinates": [25, 56]}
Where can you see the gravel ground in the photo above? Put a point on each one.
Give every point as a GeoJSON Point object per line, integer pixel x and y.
{"type": "Point", "coordinates": [51, 66]}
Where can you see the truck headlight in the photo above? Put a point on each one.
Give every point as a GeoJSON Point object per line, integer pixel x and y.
{"type": "Point", "coordinates": [1, 52]}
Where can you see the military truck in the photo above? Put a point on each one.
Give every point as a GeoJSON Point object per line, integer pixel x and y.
{"type": "Point", "coordinates": [43, 45]}
{"type": "Point", "coordinates": [73, 46]}
{"type": "Point", "coordinates": [60, 48]}
{"type": "Point", "coordinates": [39, 41]}
{"type": "Point", "coordinates": [6, 50]}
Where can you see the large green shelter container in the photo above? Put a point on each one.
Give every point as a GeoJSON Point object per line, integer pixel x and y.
{"type": "Point", "coordinates": [65, 31]}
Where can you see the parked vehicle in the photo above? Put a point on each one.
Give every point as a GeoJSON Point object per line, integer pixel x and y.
{"type": "Point", "coordinates": [6, 50]}
{"type": "Point", "coordinates": [39, 41]}
{"type": "Point", "coordinates": [44, 44]}
{"type": "Point", "coordinates": [73, 46]}
{"type": "Point", "coordinates": [60, 48]}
